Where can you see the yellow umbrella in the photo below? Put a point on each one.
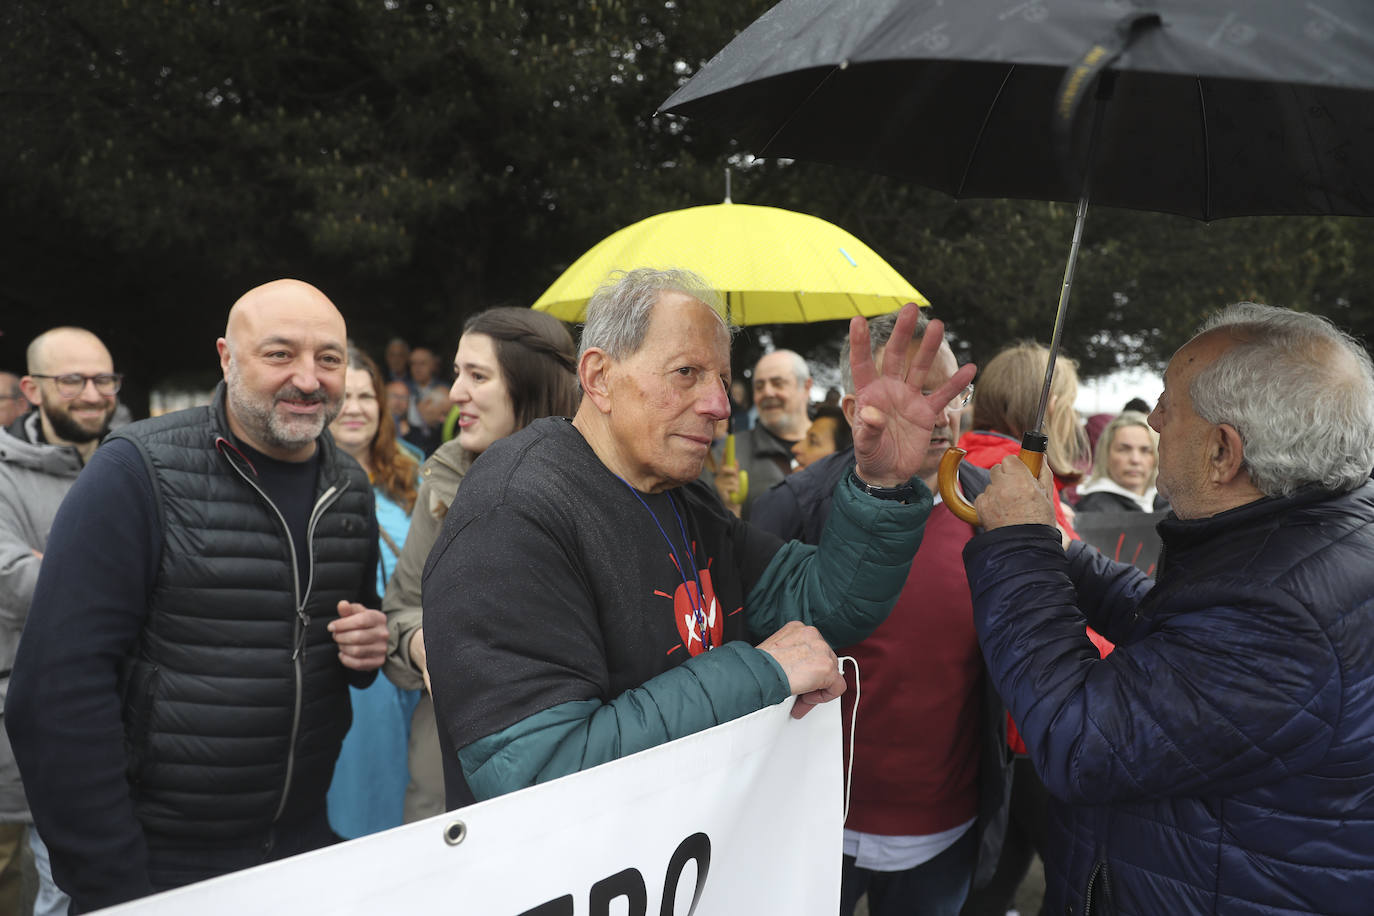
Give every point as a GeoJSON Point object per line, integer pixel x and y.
{"type": "Point", "coordinates": [772, 266]}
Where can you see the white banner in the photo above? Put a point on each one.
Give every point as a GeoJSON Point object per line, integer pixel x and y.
{"type": "Point", "coordinates": [744, 818]}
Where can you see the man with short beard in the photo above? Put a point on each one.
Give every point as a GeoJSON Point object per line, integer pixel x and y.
{"type": "Point", "coordinates": [782, 391]}
{"type": "Point", "coordinates": [208, 595]}
{"type": "Point", "coordinates": [72, 382]}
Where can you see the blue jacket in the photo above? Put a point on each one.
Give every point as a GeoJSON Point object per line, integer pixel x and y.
{"type": "Point", "coordinates": [1222, 758]}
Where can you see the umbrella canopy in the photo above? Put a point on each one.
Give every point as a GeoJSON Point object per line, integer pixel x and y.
{"type": "Point", "coordinates": [1219, 108]}
{"type": "Point", "coordinates": [1206, 109]}
{"type": "Point", "coordinates": [772, 266]}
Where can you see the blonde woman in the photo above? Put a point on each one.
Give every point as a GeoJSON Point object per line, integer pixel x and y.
{"type": "Point", "coordinates": [1124, 468]}
{"type": "Point", "coordinates": [1004, 405]}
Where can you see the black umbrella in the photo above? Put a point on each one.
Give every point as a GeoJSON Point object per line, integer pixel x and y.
{"type": "Point", "coordinates": [1204, 108]}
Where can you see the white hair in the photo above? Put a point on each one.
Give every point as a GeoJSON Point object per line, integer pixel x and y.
{"type": "Point", "coordinates": [618, 312]}
{"type": "Point", "coordinates": [800, 369]}
{"type": "Point", "coordinates": [1299, 391]}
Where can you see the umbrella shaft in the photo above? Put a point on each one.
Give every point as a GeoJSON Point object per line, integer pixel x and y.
{"type": "Point", "coordinates": [1104, 93]}
{"type": "Point", "coordinates": [1064, 291]}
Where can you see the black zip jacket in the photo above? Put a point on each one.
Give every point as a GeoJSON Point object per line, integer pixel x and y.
{"type": "Point", "coordinates": [177, 680]}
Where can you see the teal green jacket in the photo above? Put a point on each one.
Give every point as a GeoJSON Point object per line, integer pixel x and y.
{"type": "Point", "coordinates": [845, 587]}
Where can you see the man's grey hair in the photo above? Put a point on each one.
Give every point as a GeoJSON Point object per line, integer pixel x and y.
{"type": "Point", "coordinates": [879, 332]}
{"type": "Point", "coordinates": [618, 312]}
{"type": "Point", "coordinates": [799, 367]}
{"type": "Point", "coordinates": [1299, 391]}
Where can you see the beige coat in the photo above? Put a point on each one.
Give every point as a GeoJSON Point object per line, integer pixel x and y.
{"type": "Point", "coordinates": [440, 477]}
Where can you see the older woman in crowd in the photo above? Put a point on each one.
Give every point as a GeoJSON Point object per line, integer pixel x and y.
{"type": "Point", "coordinates": [1124, 468]}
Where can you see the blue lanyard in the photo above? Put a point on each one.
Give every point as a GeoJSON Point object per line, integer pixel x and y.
{"type": "Point", "coordinates": [697, 600]}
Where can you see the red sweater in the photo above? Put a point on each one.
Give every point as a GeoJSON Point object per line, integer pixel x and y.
{"type": "Point", "coordinates": [916, 769]}
{"type": "Point", "coordinates": [986, 450]}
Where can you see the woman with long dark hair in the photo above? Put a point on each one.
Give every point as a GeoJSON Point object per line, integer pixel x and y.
{"type": "Point", "coordinates": [513, 366]}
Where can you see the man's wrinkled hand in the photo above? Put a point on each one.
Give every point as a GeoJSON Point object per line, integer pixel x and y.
{"type": "Point", "coordinates": [1014, 497]}
{"type": "Point", "coordinates": [813, 671]}
{"type": "Point", "coordinates": [893, 419]}
{"type": "Point", "coordinates": [360, 633]}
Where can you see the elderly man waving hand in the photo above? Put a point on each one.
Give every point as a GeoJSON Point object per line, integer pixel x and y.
{"type": "Point", "coordinates": [588, 598]}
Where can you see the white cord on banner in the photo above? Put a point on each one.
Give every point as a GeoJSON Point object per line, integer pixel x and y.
{"type": "Point", "coordinates": [853, 724]}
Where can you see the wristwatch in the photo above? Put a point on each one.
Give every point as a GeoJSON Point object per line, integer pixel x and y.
{"type": "Point", "coordinates": [906, 493]}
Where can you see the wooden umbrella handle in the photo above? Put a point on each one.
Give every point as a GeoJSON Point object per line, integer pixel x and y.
{"type": "Point", "coordinates": [1032, 455]}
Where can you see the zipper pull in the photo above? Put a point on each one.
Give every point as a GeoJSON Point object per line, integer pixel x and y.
{"type": "Point", "coordinates": [304, 619]}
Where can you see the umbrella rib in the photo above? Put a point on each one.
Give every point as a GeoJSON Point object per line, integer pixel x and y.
{"type": "Point", "coordinates": [763, 150]}
{"type": "Point", "coordinates": [1322, 185]}
{"type": "Point", "coordinates": [982, 128]}
{"type": "Point", "coordinates": [1206, 152]}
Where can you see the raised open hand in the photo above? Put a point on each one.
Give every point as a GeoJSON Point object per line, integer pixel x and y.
{"type": "Point", "coordinates": [893, 420]}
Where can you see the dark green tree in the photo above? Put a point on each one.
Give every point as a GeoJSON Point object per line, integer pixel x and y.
{"type": "Point", "coordinates": [420, 161]}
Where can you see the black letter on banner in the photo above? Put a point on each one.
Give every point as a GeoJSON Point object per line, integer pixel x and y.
{"type": "Point", "coordinates": [563, 906]}
{"type": "Point", "coordinates": [628, 884]}
{"type": "Point", "coordinates": [697, 846]}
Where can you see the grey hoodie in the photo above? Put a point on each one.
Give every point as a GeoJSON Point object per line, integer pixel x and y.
{"type": "Point", "coordinates": [34, 478]}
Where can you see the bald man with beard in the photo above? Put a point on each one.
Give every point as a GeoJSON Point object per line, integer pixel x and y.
{"type": "Point", "coordinates": [72, 384]}
{"type": "Point", "coordinates": [208, 593]}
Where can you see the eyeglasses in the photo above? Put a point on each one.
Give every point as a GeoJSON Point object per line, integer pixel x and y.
{"type": "Point", "coordinates": [959, 401]}
{"type": "Point", "coordinates": [72, 384]}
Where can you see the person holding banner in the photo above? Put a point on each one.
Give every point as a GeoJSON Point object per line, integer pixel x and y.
{"type": "Point", "coordinates": [589, 598]}
{"type": "Point", "coordinates": [1221, 759]}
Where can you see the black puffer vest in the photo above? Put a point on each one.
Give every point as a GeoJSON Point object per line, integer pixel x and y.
{"type": "Point", "coordinates": [236, 704]}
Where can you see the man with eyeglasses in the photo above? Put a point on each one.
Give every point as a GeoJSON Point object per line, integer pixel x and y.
{"type": "Point", "coordinates": [72, 383]}
{"type": "Point", "coordinates": [207, 597]}
{"type": "Point", "coordinates": [930, 781]}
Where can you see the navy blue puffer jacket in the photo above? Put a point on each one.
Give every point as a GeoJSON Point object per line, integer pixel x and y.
{"type": "Point", "coordinates": [1221, 760]}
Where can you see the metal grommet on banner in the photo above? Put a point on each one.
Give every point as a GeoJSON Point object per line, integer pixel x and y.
{"type": "Point", "coordinates": [455, 833]}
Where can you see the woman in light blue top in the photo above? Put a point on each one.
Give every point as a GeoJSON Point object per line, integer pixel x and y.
{"type": "Point", "coordinates": [370, 777]}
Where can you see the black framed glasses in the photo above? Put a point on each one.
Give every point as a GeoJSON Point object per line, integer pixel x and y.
{"type": "Point", "coordinates": [72, 384]}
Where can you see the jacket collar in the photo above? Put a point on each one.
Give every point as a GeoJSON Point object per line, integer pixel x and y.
{"type": "Point", "coordinates": [1181, 534]}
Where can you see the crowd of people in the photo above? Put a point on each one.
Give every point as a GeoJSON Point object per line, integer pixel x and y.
{"type": "Point", "coordinates": [348, 594]}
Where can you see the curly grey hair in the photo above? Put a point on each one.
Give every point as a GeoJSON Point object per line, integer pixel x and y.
{"type": "Point", "coordinates": [1299, 391]}
{"type": "Point", "coordinates": [618, 312]}
{"type": "Point", "coordinates": [880, 330]}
